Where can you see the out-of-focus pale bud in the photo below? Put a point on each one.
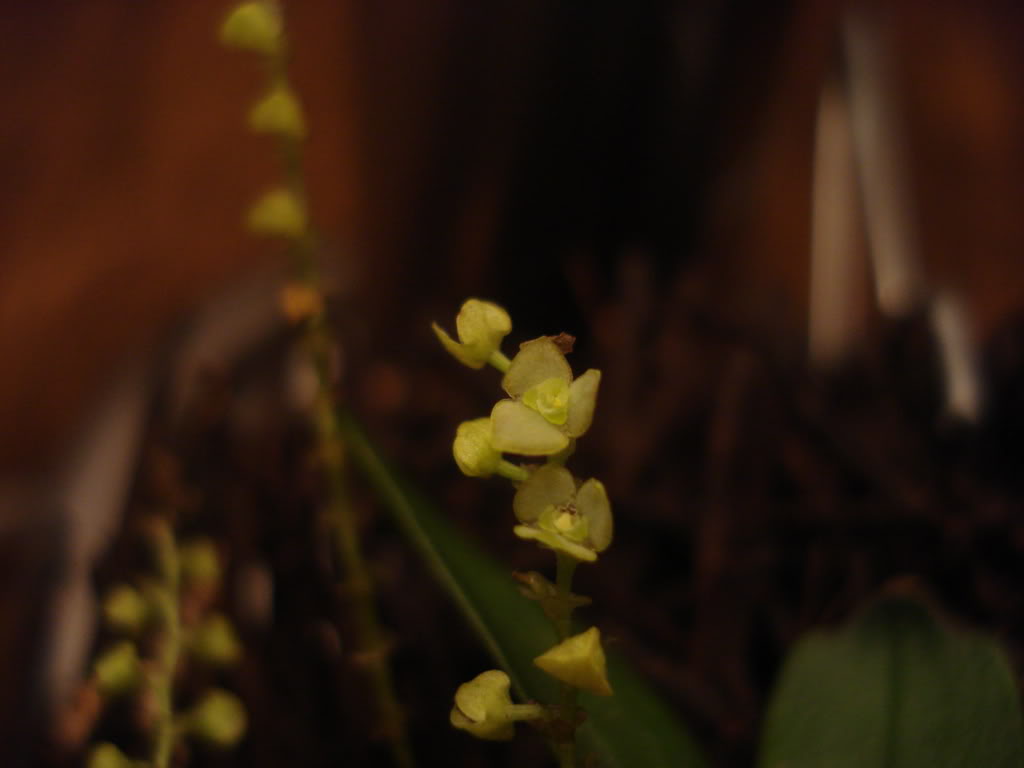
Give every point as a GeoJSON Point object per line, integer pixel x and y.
{"type": "Point", "coordinates": [219, 719]}
{"type": "Point", "coordinates": [254, 26]}
{"type": "Point", "coordinates": [199, 563]}
{"type": "Point", "coordinates": [117, 671]}
{"type": "Point", "coordinates": [125, 610]}
{"type": "Point", "coordinates": [279, 213]}
{"type": "Point", "coordinates": [106, 755]}
{"type": "Point", "coordinates": [278, 113]}
{"type": "Point", "coordinates": [215, 642]}
{"type": "Point", "coordinates": [580, 662]}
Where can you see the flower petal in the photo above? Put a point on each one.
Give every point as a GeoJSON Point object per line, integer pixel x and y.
{"type": "Point", "coordinates": [582, 399]}
{"type": "Point", "coordinates": [472, 448]}
{"type": "Point", "coordinates": [485, 696]}
{"type": "Point", "coordinates": [460, 352]}
{"type": "Point", "coordinates": [579, 661]}
{"type": "Point", "coordinates": [516, 428]}
{"type": "Point", "coordinates": [556, 542]}
{"type": "Point", "coordinates": [503, 730]}
{"type": "Point", "coordinates": [482, 323]}
{"type": "Point", "coordinates": [592, 502]}
{"type": "Point", "coordinates": [538, 360]}
{"type": "Point", "coordinates": [548, 486]}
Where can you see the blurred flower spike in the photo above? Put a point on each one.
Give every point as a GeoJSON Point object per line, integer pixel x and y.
{"type": "Point", "coordinates": [484, 708]}
{"type": "Point", "coordinates": [580, 662]}
{"type": "Point", "coordinates": [548, 408]}
{"type": "Point", "coordinates": [481, 326]}
{"type": "Point", "coordinates": [254, 27]}
{"type": "Point", "coordinates": [552, 511]}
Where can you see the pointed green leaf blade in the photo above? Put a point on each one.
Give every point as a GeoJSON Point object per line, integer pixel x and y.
{"type": "Point", "coordinates": [630, 729]}
{"type": "Point", "coordinates": [895, 689]}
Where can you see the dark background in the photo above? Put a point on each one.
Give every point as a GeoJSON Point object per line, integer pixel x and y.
{"type": "Point", "coordinates": [638, 175]}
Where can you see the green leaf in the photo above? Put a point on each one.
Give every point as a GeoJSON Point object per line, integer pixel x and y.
{"type": "Point", "coordinates": [894, 689]}
{"type": "Point", "coordinates": [632, 728]}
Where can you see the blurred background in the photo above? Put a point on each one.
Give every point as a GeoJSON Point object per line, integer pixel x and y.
{"type": "Point", "coordinates": [789, 233]}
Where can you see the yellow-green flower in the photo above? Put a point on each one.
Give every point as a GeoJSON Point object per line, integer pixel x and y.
{"type": "Point", "coordinates": [481, 326]}
{"type": "Point", "coordinates": [484, 708]}
{"type": "Point", "coordinates": [548, 407]}
{"type": "Point", "coordinates": [580, 662]}
{"type": "Point", "coordinates": [552, 511]}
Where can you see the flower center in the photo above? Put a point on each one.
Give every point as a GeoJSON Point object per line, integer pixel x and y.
{"type": "Point", "coordinates": [550, 399]}
{"type": "Point", "coordinates": [564, 521]}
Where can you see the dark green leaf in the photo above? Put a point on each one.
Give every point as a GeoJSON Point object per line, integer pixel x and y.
{"type": "Point", "coordinates": [632, 729]}
{"type": "Point", "coordinates": [895, 689]}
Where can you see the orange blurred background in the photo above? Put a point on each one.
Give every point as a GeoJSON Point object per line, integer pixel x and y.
{"type": "Point", "coordinates": [127, 170]}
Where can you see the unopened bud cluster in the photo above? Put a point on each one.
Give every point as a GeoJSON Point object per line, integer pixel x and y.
{"type": "Point", "coordinates": [141, 621]}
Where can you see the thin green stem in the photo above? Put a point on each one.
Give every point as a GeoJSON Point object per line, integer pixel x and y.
{"type": "Point", "coordinates": [499, 361]}
{"type": "Point", "coordinates": [525, 712]}
{"type": "Point", "coordinates": [564, 570]}
{"type": "Point", "coordinates": [162, 680]}
{"type": "Point", "coordinates": [513, 472]}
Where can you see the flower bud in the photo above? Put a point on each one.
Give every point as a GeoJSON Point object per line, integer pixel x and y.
{"type": "Point", "coordinates": [106, 755]}
{"type": "Point", "coordinates": [218, 719]}
{"type": "Point", "coordinates": [279, 213]}
{"type": "Point", "coordinates": [125, 610]}
{"type": "Point", "coordinates": [481, 326]}
{"type": "Point", "coordinates": [215, 642]}
{"type": "Point", "coordinates": [199, 563]}
{"type": "Point", "coordinates": [279, 114]}
{"type": "Point", "coordinates": [472, 448]}
{"type": "Point", "coordinates": [254, 27]}
{"type": "Point", "coordinates": [578, 661]}
{"type": "Point", "coordinates": [481, 704]}
{"type": "Point", "coordinates": [117, 671]}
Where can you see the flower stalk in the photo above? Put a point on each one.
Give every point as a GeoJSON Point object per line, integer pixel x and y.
{"type": "Point", "coordinates": [546, 411]}
{"type": "Point", "coordinates": [258, 26]}
{"type": "Point", "coordinates": [165, 601]}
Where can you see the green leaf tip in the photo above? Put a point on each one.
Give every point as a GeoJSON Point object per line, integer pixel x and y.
{"type": "Point", "coordinates": [895, 688]}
